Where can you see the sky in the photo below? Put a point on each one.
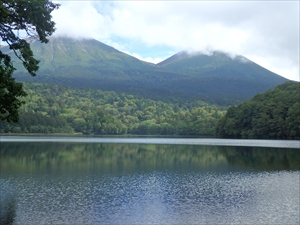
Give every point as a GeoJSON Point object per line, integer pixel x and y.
{"type": "Point", "coordinates": [266, 32]}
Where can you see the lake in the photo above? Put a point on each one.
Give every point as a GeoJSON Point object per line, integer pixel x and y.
{"type": "Point", "coordinates": [147, 180]}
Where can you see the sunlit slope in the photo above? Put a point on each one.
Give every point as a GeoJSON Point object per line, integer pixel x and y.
{"type": "Point", "coordinates": [88, 63]}
{"type": "Point", "coordinates": [67, 53]}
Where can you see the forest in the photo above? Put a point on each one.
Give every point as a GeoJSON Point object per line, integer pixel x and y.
{"type": "Point", "coordinates": [88, 63]}
{"type": "Point", "coordinates": [274, 114]}
{"type": "Point", "coordinates": [53, 108]}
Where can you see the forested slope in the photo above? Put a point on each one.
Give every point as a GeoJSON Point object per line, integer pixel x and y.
{"type": "Point", "coordinates": [59, 109]}
{"type": "Point", "coordinates": [273, 114]}
{"type": "Point", "coordinates": [216, 78]}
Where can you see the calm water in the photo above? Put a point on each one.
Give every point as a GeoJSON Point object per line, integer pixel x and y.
{"type": "Point", "coordinates": [148, 181]}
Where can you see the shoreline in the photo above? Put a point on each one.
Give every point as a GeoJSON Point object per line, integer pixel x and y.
{"type": "Point", "coordinates": [156, 140]}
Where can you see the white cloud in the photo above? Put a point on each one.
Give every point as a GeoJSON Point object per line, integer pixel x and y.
{"type": "Point", "coordinates": [145, 59]}
{"type": "Point", "coordinates": [266, 32]}
{"type": "Point", "coordinates": [80, 19]}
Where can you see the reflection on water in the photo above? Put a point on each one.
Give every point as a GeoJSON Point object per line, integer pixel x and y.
{"type": "Point", "coordinates": [262, 158]}
{"type": "Point", "coordinates": [7, 204]}
{"type": "Point", "coordinates": [94, 183]}
{"type": "Point", "coordinates": [29, 157]}
{"type": "Point", "coordinates": [106, 158]}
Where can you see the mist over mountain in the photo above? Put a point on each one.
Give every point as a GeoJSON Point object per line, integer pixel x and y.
{"type": "Point", "coordinates": [88, 63]}
{"type": "Point", "coordinates": [218, 64]}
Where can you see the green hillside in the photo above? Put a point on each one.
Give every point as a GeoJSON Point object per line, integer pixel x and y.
{"type": "Point", "coordinates": [217, 74]}
{"type": "Point", "coordinates": [273, 114]}
{"type": "Point", "coordinates": [88, 63]}
{"type": "Point", "coordinates": [63, 52]}
{"type": "Point", "coordinates": [219, 65]}
{"type": "Point", "coordinates": [53, 108]}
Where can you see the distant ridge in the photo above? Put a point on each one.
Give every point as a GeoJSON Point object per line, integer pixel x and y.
{"type": "Point", "coordinates": [218, 64]}
{"type": "Point", "coordinates": [88, 63]}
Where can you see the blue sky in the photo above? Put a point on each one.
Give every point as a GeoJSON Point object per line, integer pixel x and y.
{"type": "Point", "coordinates": [266, 32]}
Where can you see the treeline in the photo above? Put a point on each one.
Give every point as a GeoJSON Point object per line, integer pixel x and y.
{"type": "Point", "coordinates": [274, 114]}
{"type": "Point", "coordinates": [59, 109]}
{"type": "Point", "coordinates": [31, 122]}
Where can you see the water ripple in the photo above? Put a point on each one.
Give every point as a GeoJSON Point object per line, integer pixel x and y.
{"type": "Point", "coordinates": [159, 198]}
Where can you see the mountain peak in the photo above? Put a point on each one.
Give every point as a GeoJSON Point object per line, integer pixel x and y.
{"type": "Point", "coordinates": [218, 77]}
{"type": "Point", "coordinates": [65, 52]}
{"type": "Point", "coordinates": [199, 57]}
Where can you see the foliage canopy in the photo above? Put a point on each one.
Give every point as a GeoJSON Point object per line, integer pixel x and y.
{"type": "Point", "coordinates": [19, 18]}
{"type": "Point", "coordinates": [59, 109]}
{"type": "Point", "coordinates": [274, 114]}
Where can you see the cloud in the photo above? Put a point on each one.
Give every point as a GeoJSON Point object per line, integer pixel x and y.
{"type": "Point", "coordinates": [80, 19]}
{"type": "Point", "coordinates": [266, 32]}
{"type": "Point", "coordinates": [145, 59]}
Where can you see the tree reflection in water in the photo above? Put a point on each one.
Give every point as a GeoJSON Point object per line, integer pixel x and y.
{"type": "Point", "coordinates": [109, 183]}
{"type": "Point", "coordinates": [29, 157]}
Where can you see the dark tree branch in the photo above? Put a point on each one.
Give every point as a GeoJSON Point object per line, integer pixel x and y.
{"type": "Point", "coordinates": [33, 17]}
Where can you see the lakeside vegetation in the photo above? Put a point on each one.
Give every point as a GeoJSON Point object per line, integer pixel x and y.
{"type": "Point", "coordinates": [51, 108]}
{"type": "Point", "coordinates": [274, 114]}
{"type": "Point", "coordinates": [59, 109]}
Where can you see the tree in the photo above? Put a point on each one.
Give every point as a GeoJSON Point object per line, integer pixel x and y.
{"type": "Point", "coordinates": [274, 114]}
{"type": "Point", "coordinates": [9, 91]}
{"type": "Point", "coordinates": [32, 17]}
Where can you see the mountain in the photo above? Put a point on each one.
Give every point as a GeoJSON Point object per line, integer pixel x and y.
{"type": "Point", "coordinates": [88, 63]}
{"type": "Point", "coordinates": [67, 53]}
{"type": "Point", "coordinates": [220, 74]}
{"type": "Point", "coordinates": [218, 65]}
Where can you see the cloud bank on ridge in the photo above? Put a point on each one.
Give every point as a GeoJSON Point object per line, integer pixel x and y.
{"type": "Point", "coordinates": [265, 32]}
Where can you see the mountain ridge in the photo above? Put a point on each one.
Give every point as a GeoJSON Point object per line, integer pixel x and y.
{"type": "Point", "coordinates": [184, 61]}
{"type": "Point", "coordinates": [89, 63]}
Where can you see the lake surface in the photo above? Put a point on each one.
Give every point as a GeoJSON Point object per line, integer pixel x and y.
{"type": "Point", "coordinates": [92, 180]}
